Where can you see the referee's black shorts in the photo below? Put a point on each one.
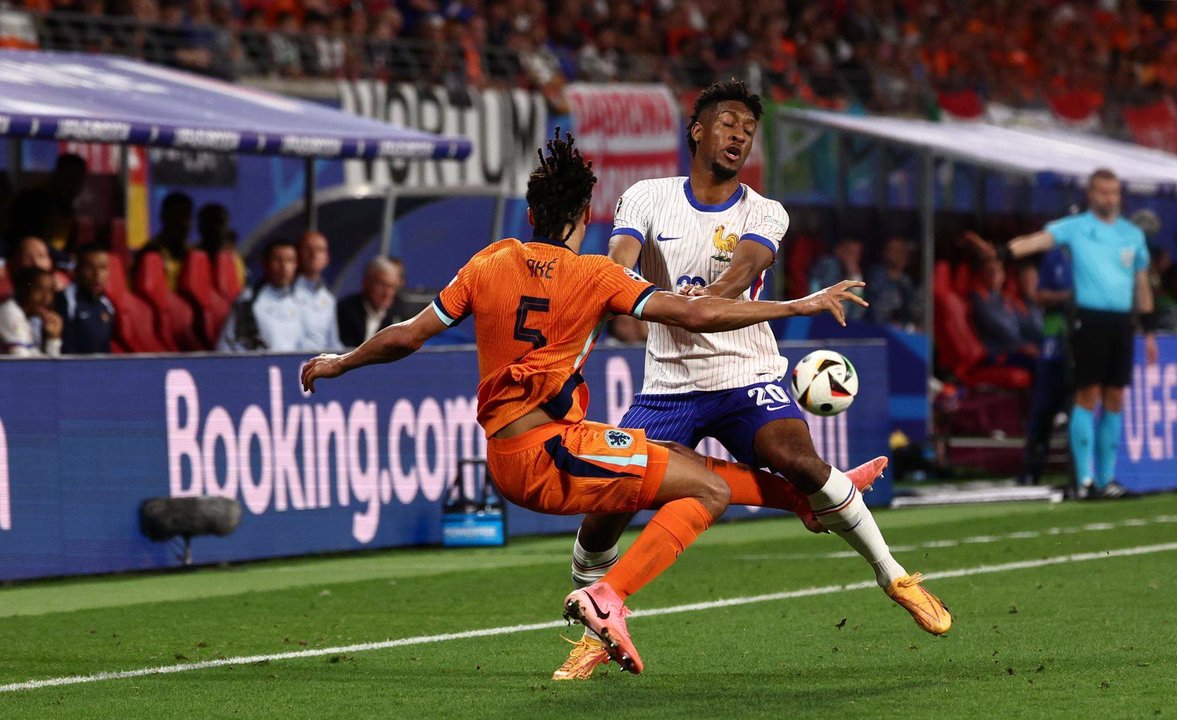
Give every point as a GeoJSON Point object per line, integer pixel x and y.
{"type": "Point", "coordinates": [1102, 346]}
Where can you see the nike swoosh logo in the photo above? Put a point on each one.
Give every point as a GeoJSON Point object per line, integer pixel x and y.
{"type": "Point", "coordinates": [602, 615]}
{"type": "Point", "coordinates": [664, 239]}
{"type": "Point", "coordinates": [771, 408]}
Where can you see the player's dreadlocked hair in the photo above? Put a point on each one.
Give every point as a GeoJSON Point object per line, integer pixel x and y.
{"type": "Point", "coordinates": [560, 189]}
{"type": "Point", "coordinates": [718, 92]}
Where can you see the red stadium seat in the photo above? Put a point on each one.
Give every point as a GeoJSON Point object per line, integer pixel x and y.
{"type": "Point", "coordinates": [118, 240]}
{"type": "Point", "coordinates": [5, 285]}
{"type": "Point", "coordinates": [802, 252]}
{"type": "Point", "coordinates": [963, 104]}
{"type": "Point", "coordinates": [963, 279]}
{"type": "Point", "coordinates": [195, 284]}
{"type": "Point", "coordinates": [225, 277]}
{"type": "Point", "coordinates": [957, 348]}
{"type": "Point", "coordinates": [134, 322]}
{"type": "Point", "coordinates": [175, 320]}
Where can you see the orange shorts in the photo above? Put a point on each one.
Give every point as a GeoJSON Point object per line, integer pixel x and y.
{"type": "Point", "coordinates": [585, 467]}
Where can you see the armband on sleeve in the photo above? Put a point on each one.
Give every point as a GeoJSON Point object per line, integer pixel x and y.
{"type": "Point", "coordinates": [1149, 322]}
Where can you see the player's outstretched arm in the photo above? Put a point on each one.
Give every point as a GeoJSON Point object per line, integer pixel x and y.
{"type": "Point", "coordinates": [715, 314]}
{"type": "Point", "coordinates": [1020, 247]}
{"type": "Point", "coordinates": [389, 345]}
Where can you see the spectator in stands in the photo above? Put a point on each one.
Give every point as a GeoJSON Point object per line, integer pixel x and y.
{"type": "Point", "coordinates": [181, 47]}
{"type": "Point", "coordinates": [316, 302]}
{"type": "Point", "coordinates": [285, 56]}
{"type": "Point", "coordinates": [893, 296]}
{"type": "Point", "coordinates": [377, 306]}
{"type": "Point", "coordinates": [844, 263]}
{"type": "Point", "coordinates": [255, 41]}
{"type": "Point", "coordinates": [998, 325]}
{"type": "Point", "coordinates": [86, 312]}
{"type": "Point", "coordinates": [1026, 304]}
{"type": "Point", "coordinates": [266, 316]}
{"type": "Point", "coordinates": [48, 210]}
{"type": "Point", "coordinates": [28, 325]}
{"type": "Point", "coordinates": [600, 58]}
{"type": "Point", "coordinates": [172, 239]}
{"type": "Point", "coordinates": [33, 252]}
{"type": "Point", "coordinates": [216, 236]}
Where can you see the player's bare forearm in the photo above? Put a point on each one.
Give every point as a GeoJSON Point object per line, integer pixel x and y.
{"type": "Point", "coordinates": [748, 261]}
{"type": "Point", "coordinates": [393, 343]}
{"type": "Point", "coordinates": [707, 313]}
{"type": "Point", "coordinates": [624, 250]}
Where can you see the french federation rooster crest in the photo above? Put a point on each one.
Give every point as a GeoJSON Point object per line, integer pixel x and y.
{"type": "Point", "coordinates": [725, 244]}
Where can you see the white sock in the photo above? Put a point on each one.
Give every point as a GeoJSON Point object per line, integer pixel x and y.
{"type": "Point", "coordinates": [840, 508]}
{"type": "Point", "coordinates": [589, 567]}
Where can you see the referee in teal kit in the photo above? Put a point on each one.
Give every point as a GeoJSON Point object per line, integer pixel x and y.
{"type": "Point", "coordinates": [1111, 275]}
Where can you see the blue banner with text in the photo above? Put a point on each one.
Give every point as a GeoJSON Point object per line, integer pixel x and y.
{"type": "Point", "coordinates": [363, 463]}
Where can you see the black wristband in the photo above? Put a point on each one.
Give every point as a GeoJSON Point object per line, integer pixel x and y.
{"type": "Point", "coordinates": [1149, 322]}
{"type": "Point", "coordinates": [1003, 253]}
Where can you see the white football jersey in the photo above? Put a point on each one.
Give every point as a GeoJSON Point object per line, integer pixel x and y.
{"type": "Point", "coordinates": [685, 241]}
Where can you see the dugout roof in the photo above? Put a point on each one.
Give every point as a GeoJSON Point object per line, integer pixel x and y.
{"type": "Point", "coordinates": [1067, 154]}
{"type": "Point", "coordinates": [99, 98]}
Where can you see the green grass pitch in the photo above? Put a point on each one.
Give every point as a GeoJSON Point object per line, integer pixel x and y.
{"type": "Point", "coordinates": [1054, 619]}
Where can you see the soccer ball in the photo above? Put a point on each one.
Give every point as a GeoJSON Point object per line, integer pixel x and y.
{"type": "Point", "coordinates": [824, 382]}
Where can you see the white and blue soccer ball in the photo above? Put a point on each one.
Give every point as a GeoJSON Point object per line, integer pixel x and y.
{"type": "Point", "coordinates": [824, 382]}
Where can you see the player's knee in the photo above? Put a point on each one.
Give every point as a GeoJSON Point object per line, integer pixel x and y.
{"type": "Point", "coordinates": [804, 469]}
{"type": "Point", "coordinates": [715, 494]}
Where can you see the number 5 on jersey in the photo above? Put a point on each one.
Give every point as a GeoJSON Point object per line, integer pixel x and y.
{"type": "Point", "coordinates": [522, 332]}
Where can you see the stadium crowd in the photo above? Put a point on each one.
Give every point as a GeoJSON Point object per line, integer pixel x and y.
{"type": "Point", "coordinates": [886, 55]}
{"type": "Point", "coordinates": [64, 291]}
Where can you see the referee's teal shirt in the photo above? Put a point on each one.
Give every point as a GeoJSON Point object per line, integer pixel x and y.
{"type": "Point", "coordinates": [1106, 258]}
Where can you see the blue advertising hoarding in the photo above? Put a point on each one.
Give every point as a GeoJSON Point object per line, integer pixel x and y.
{"type": "Point", "coordinates": [1148, 453]}
{"type": "Point", "coordinates": [363, 463]}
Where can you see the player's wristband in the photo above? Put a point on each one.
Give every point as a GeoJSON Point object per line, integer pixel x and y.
{"type": "Point", "coordinates": [1149, 322]}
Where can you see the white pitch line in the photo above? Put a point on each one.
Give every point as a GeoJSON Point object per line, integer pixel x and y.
{"type": "Point", "coordinates": [978, 539]}
{"type": "Point", "coordinates": [513, 629]}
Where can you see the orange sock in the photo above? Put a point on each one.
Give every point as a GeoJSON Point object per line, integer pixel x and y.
{"type": "Point", "coordinates": [751, 486]}
{"type": "Point", "coordinates": [670, 531]}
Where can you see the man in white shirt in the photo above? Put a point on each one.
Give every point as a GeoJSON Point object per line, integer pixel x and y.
{"type": "Point", "coordinates": [710, 234]}
{"type": "Point", "coordinates": [267, 316]}
{"type": "Point", "coordinates": [28, 325]}
{"type": "Point", "coordinates": [316, 302]}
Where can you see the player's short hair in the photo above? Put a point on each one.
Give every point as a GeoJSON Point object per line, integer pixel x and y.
{"type": "Point", "coordinates": [92, 249]}
{"type": "Point", "coordinates": [176, 199]}
{"type": "Point", "coordinates": [1101, 174]}
{"type": "Point", "coordinates": [70, 161]}
{"type": "Point", "coordinates": [734, 90]}
{"type": "Point", "coordinates": [561, 188]}
{"type": "Point", "coordinates": [24, 280]}
{"type": "Point", "coordinates": [274, 245]}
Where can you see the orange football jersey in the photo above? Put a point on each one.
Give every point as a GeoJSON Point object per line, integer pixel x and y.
{"type": "Point", "coordinates": [538, 309]}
